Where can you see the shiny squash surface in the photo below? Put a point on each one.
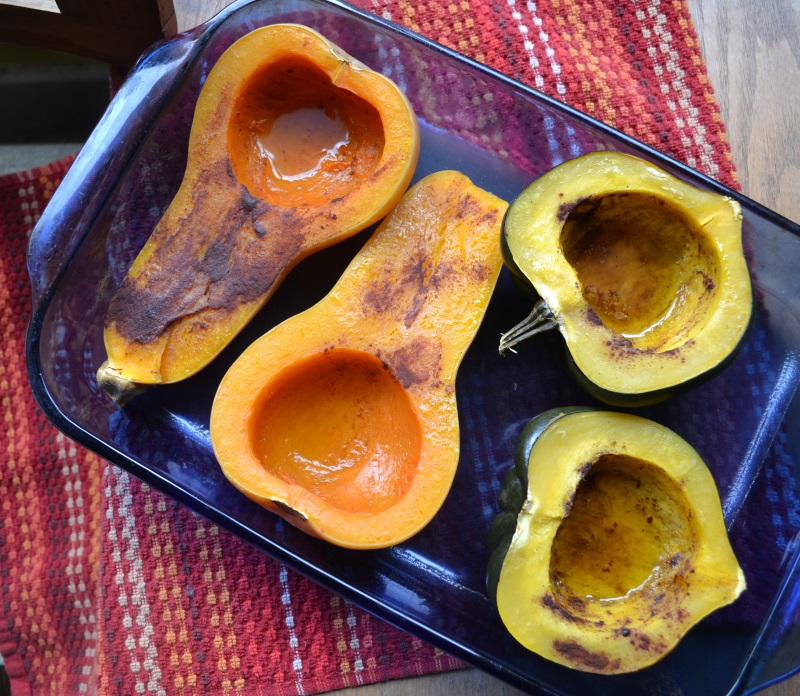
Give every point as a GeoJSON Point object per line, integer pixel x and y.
{"type": "Point", "coordinates": [610, 544]}
{"type": "Point", "coordinates": [343, 419]}
{"type": "Point", "coordinates": [295, 145]}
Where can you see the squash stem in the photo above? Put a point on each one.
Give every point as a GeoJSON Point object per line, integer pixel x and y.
{"type": "Point", "coordinates": [540, 319]}
{"type": "Point", "coordinates": [121, 390]}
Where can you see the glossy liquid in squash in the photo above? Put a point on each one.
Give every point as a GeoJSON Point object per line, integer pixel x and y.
{"type": "Point", "coordinates": [295, 145]}
{"type": "Point", "coordinates": [644, 275]}
{"type": "Point", "coordinates": [343, 418]}
{"type": "Point", "coordinates": [610, 544]}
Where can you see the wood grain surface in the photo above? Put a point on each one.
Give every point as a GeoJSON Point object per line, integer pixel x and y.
{"type": "Point", "coordinates": [753, 57]}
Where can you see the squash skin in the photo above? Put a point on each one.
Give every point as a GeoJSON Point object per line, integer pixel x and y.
{"type": "Point", "coordinates": [612, 367]}
{"type": "Point", "coordinates": [232, 233]}
{"type": "Point", "coordinates": [513, 492]}
{"type": "Point", "coordinates": [633, 631]}
{"type": "Point", "coordinates": [410, 302]}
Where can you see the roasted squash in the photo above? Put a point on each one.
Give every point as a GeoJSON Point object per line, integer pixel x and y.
{"type": "Point", "coordinates": [294, 145]}
{"type": "Point", "coordinates": [610, 544]}
{"type": "Point", "coordinates": [343, 418]}
{"type": "Point", "coordinates": [644, 275]}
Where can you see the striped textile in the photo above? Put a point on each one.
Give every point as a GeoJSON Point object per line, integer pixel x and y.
{"type": "Point", "coordinates": [109, 587]}
{"type": "Point", "coordinates": [634, 64]}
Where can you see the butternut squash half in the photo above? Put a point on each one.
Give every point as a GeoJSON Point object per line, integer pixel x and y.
{"type": "Point", "coordinates": [343, 418]}
{"type": "Point", "coordinates": [294, 145]}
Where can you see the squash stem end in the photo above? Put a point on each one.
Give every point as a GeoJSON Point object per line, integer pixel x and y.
{"type": "Point", "coordinates": [120, 390]}
{"type": "Point", "coordinates": [540, 319]}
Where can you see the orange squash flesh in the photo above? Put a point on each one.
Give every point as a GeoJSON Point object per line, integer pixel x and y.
{"type": "Point", "coordinates": [294, 146]}
{"type": "Point", "coordinates": [364, 456]}
{"type": "Point", "coordinates": [343, 419]}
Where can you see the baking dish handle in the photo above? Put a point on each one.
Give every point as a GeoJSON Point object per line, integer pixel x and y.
{"type": "Point", "coordinates": [76, 203]}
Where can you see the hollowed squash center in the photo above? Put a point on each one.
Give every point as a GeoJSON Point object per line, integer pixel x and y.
{"type": "Point", "coordinates": [646, 269]}
{"type": "Point", "coordinates": [295, 138]}
{"type": "Point", "coordinates": [339, 425]}
{"type": "Point", "coordinates": [627, 540]}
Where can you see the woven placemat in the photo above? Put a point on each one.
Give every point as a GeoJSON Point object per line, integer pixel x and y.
{"type": "Point", "coordinates": [108, 586]}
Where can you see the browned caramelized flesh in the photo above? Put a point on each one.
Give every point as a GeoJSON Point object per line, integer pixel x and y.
{"type": "Point", "coordinates": [628, 536]}
{"type": "Point", "coordinates": [296, 138]}
{"type": "Point", "coordinates": [646, 270]}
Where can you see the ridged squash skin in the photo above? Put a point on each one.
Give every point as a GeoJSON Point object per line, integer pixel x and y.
{"type": "Point", "coordinates": [295, 145]}
{"type": "Point", "coordinates": [343, 419]}
{"type": "Point", "coordinates": [644, 275]}
{"type": "Point", "coordinates": [610, 544]}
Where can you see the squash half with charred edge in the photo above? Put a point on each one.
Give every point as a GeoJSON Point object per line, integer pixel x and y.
{"type": "Point", "coordinates": [611, 542]}
{"type": "Point", "coordinates": [294, 145]}
{"type": "Point", "coordinates": [643, 274]}
{"type": "Point", "coordinates": [343, 419]}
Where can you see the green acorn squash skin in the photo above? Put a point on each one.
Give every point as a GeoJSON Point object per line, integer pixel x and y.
{"type": "Point", "coordinates": [657, 396]}
{"type": "Point", "coordinates": [542, 598]}
{"type": "Point", "coordinates": [520, 279]}
{"type": "Point", "coordinates": [581, 209]}
{"type": "Point", "coordinates": [512, 493]}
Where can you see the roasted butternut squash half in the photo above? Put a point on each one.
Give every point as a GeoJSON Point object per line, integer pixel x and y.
{"type": "Point", "coordinates": [610, 544]}
{"type": "Point", "coordinates": [343, 418]}
{"type": "Point", "coordinates": [295, 145]}
{"type": "Point", "coordinates": [644, 275]}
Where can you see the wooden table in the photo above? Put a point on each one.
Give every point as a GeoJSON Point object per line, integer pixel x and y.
{"type": "Point", "coordinates": [754, 65]}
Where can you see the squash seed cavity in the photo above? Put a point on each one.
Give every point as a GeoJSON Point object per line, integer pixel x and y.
{"type": "Point", "coordinates": [339, 425]}
{"type": "Point", "coordinates": [646, 269]}
{"type": "Point", "coordinates": [295, 138]}
{"type": "Point", "coordinates": [629, 535]}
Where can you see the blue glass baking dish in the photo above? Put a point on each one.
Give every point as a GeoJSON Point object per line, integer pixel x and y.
{"type": "Point", "coordinates": [744, 422]}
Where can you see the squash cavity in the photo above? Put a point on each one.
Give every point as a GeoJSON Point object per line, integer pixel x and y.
{"type": "Point", "coordinates": [339, 425]}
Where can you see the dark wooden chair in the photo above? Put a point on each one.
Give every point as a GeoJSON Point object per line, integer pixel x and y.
{"type": "Point", "coordinates": [112, 31]}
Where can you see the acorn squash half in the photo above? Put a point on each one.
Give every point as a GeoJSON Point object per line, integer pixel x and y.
{"type": "Point", "coordinates": [643, 274]}
{"type": "Point", "coordinates": [611, 542]}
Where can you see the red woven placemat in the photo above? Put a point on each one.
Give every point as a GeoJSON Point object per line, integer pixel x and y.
{"type": "Point", "coordinates": [109, 587]}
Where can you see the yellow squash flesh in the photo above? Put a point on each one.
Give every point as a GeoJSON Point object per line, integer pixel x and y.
{"type": "Point", "coordinates": [620, 546]}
